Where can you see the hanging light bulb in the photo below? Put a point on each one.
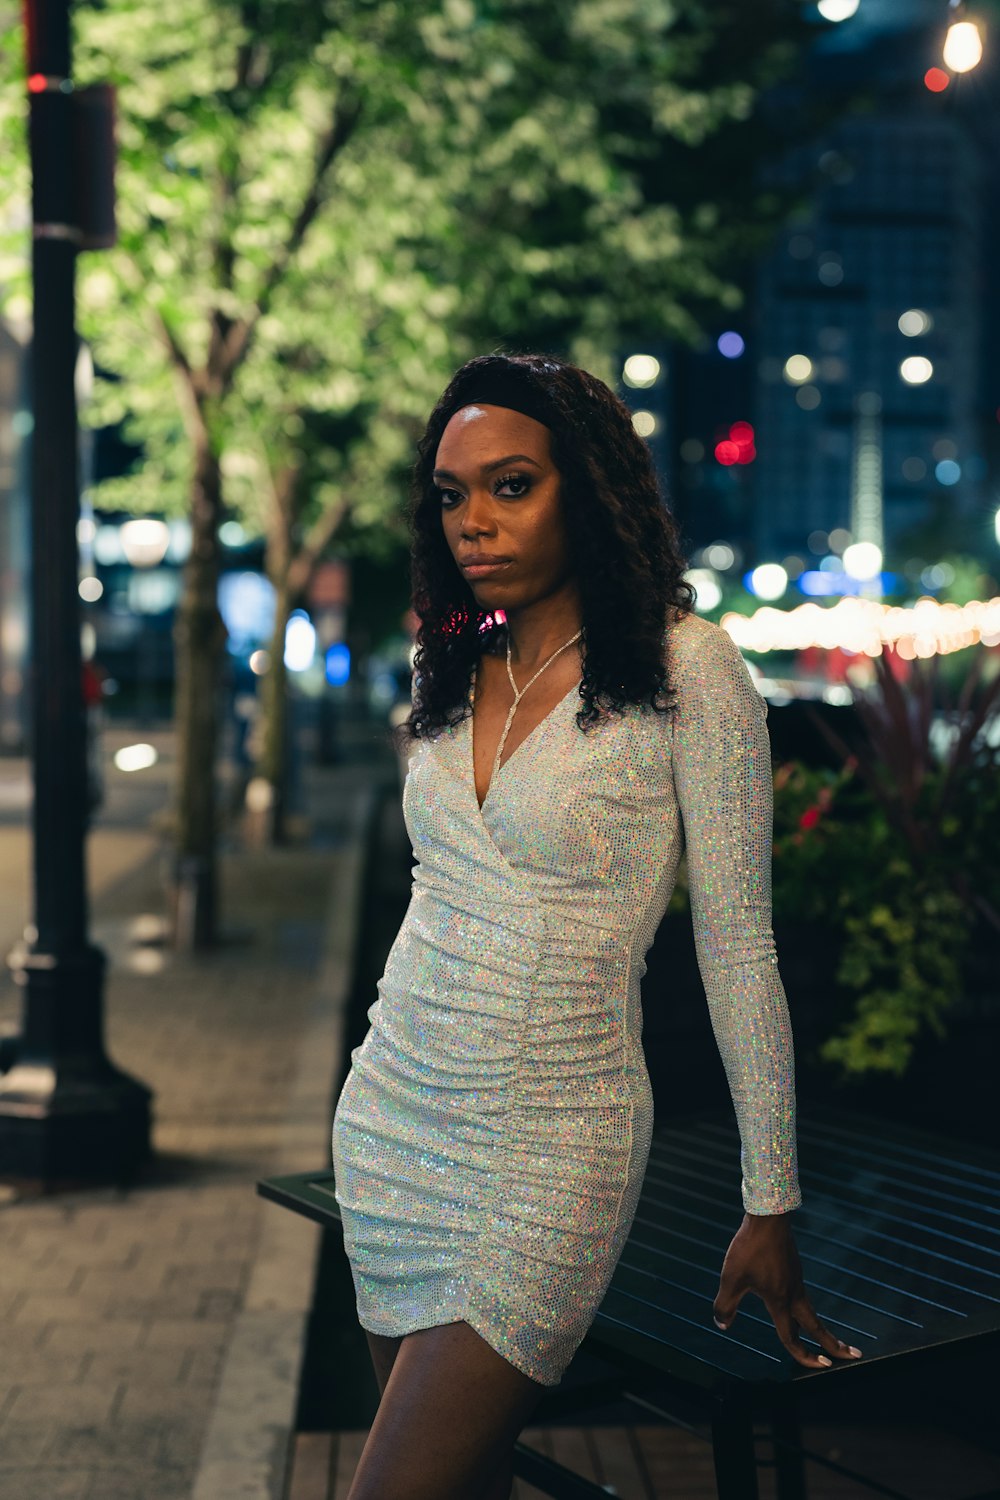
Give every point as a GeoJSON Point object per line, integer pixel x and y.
{"type": "Point", "coordinates": [963, 46]}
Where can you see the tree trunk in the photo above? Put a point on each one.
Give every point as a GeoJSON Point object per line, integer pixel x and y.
{"type": "Point", "coordinates": [199, 638]}
{"type": "Point", "coordinates": [290, 570]}
{"type": "Point", "coordinates": [267, 796]}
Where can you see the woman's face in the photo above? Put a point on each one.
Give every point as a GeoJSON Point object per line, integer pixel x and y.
{"type": "Point", "coordinates": [500, 499]}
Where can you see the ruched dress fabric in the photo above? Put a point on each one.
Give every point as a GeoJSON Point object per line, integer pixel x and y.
{"type": "Point", "coordinates": [491, 1138]}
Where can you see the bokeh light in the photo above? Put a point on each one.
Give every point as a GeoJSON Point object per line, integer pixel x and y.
{"type": "Point", "coordinates": [337, 666]}
{"type": "Point", "coordinates": [867, 626]}
{"type": "Point", "coordinates": [862, 560]}
{"type": "Point", "coordinates": [719, 555]}
{"type": "Point", "coordinates": [300, 641]}
{"type": "Point", "coordinates": [916, 369]}
{"type": "Point", "coordinates": [798, 369]}
{"type": "Point", "coordinates": [837, 10]}
{"type": "Point", "coordinates": [963, 46]}
{"type": "Point", "coordinates": [645, 423]}
{"type": "Point", "coordinates": [135, 757]}
{"type": "Point", "coordinates": [914, 322]}
{"type": "Point", "coordinates": [707, 589]}
{"type": "Point", "coordinates": [768, 581]}
{"type": "Point", "coordinates": [641, 370]}
{"type": "Point", "coordinates": [144, 541]}
{"type": "Point", "coordinates": [730, 344]}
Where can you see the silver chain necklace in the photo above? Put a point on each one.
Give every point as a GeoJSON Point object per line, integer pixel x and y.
{"type": "Point", "coordinates": [519, 695]}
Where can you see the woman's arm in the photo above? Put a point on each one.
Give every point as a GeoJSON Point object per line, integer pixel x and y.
{"type": "Point", "coordinates": [722, 775]}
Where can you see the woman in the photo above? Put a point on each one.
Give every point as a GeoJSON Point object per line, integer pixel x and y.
{"type": "Point", "coordinates": [490, 1142]}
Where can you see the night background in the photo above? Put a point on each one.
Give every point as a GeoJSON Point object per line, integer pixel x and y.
{"type": "Point", "coordinates": [771, 228]}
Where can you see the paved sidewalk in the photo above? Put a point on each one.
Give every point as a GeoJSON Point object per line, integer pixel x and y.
{"type": "Point", "coordinates": [150, 1338]}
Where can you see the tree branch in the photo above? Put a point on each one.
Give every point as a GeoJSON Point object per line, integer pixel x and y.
{"type": "Point", "coordinates": [284, 486]}
{"type": "Point", "coordinates": [223, 254]}
{"type": "Point", "coordinates": [323, 529]}
{"type": "Point", "coordinates": [187, 381]}
{"type": "Point", "coordinates": [237, 345]}
{"type": "Point", "coordinates": [177, 355]}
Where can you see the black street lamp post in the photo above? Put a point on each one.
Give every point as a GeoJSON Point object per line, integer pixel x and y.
{"type": "Point", "coordinates": [67, 1114]}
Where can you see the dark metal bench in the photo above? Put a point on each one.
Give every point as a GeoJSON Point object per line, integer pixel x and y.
{"type": "Point", "coordinates": [899, 1237]}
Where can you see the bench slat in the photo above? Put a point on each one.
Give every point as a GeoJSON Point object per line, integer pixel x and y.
{"type": "Point", "coordinates": [899, 1237]}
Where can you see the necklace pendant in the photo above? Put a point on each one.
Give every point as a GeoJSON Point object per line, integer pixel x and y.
{"type": "Point", "coordinates": [518, 696]}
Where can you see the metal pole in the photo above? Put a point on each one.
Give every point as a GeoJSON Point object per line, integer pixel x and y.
{"type": "Point", "coordinates": [66, 1113]}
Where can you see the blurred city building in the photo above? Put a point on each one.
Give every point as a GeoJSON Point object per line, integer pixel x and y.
{"type": "Point", "coordinates": [869, 307]}
{"type": "Point", "coordinates": [863, 355]}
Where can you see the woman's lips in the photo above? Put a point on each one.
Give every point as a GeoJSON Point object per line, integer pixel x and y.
{"type": "Point", "coordinates": [483, 570]}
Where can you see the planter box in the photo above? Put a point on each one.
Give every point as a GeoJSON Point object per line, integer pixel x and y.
{"type": "Point", "coordinates": [682, 1055]}
{"type": "Point", "coordinates": [949, 1083]}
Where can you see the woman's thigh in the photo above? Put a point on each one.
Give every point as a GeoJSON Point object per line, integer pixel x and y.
{"type": "Point", "coordinates": [383, 1352]}
{"type": "Point", "coordinates": [450, 1413]}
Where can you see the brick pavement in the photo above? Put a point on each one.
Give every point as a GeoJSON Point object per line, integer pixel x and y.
{"type": "Point", "coordinates": [150, 1337]}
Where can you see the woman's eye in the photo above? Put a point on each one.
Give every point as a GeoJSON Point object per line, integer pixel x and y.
{"type": "Point", "coordinates": [516, 479]}
{"type": "Point", "coordinates": [521, 483]}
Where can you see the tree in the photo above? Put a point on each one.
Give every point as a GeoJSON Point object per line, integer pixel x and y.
{"type": "Point", "coordinates": [323, 209]}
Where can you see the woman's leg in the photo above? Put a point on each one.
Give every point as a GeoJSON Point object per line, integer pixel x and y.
{"type": "Point", "coordinates": [503, 1483]}
{"type": "Point", "coordinates": [383, 1352]}
{"type": "Point", "coordinates": [451, 1412]}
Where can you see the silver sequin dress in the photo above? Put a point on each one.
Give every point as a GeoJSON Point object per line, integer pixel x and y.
{"type": "Point", "coordinates": [491, 1138]}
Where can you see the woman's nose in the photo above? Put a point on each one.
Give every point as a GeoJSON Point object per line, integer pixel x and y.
{"type": "Point", "coordinates": [478, 516]}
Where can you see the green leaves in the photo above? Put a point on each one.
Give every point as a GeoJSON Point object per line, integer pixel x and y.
{"type": "Point", "coordinates": [324, 209]}
{"type": "Point", "coordinates": [903, 854]}
{"type": "Point", "coordinates": [903, 958]}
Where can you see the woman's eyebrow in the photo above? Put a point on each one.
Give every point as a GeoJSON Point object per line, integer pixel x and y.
{"type": "Point", "coordinates": [496, 463]}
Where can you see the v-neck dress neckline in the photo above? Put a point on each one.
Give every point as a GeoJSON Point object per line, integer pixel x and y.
{"type": "Point", "coordinates": [517, 748]}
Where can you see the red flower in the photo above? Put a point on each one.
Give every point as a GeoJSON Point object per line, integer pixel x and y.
{"type": "Point", "coordinates": [809, 818]}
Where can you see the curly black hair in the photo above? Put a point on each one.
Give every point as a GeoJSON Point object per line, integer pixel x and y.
{"type": "Point", "coordinates": [623, 543]}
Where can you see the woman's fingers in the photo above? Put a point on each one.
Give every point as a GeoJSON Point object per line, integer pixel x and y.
{"type": "Point", "coordinates": [787, 1328]}
{"type": "Point", "coordinates": [725, 1307]}
{"type": "Point", "coordinates": [807, 1319]}
{"type": "Point", "coordinates": [788, 1324]}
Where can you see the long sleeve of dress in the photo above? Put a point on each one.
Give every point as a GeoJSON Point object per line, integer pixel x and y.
{"type": "Point", "coordinates": [723, 780]}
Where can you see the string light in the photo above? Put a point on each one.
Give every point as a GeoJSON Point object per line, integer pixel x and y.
{"type": "Point", "coordinates": [867, 627]}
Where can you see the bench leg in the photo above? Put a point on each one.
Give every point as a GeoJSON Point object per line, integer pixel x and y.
{"type": "Point", "coordinates": [733, 1452]}
{"type": "Point", "coordinates": [553, 1479]}
{"type": "Point", "coordinates": [789, 1464]}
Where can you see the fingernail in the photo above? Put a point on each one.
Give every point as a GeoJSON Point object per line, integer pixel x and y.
{"type": "Point", "coordinates": [824, 1361]}
{"type": "Point", "coordinates": [856, 1352]}
{"type": "Point", "coordinates": [717, 1323]}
